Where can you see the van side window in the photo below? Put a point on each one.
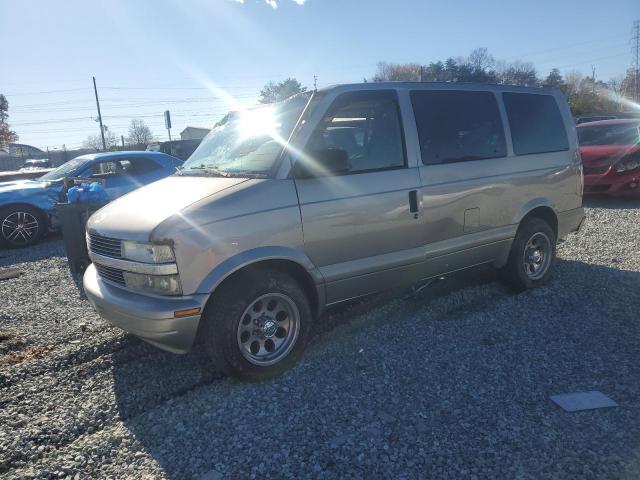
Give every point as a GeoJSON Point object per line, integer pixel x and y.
{"type": "Point", "coordinates": [536, 123]}
{"type": "Point", "coordinates": [458, 126]}
{"type": "Point", "coordinates": [366, 125]}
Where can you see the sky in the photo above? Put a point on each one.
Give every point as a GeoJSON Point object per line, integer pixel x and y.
{"type": "Point", "coordinates": [192, 56]}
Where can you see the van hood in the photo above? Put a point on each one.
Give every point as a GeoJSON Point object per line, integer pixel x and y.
{"type": "Point", "coordinates": [135, 215]}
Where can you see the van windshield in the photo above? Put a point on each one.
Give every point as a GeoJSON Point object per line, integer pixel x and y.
{"type": "Point", "coordinates": [247, 143]}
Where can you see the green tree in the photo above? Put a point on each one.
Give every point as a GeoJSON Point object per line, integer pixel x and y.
{"type": "Point", "coordinates": [7, 135]}
{"type": "Point", "coordinates": [276, 92]}
{"type": "Point", "coordinates": [555, 80]}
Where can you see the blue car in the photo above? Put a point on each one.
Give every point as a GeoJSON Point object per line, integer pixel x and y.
{"type": "Point", "coordinates": [27, 206]}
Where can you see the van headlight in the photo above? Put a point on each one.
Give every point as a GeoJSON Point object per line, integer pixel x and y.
{"type": "Point", "coordinates": [158, 284]}
{"type": "Point", "coordinates": [147, 252]}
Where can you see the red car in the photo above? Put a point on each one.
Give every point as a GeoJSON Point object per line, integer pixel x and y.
{"type": "Point", "coordinates": [610, 152]}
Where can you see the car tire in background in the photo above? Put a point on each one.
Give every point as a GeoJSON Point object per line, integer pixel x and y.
{"type": "Point", "coordinates": [532, 256]}
{"type": "Point", "coordinates": [21, 226]}
{"type": "Point", "coordinates": [257, 324]}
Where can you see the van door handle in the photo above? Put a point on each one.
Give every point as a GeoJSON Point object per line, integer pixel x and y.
{"type": "Point", "coordinates": [413, 203]}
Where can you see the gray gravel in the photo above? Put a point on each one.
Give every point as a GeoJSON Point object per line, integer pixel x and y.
{"type": "Point", "coordinates": [453, 381]}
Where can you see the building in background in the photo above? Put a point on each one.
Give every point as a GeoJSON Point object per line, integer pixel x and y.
{"type": "Point", "coordinates": [24, 151]}
{"type": "Point", "coordinates": [194, 133]}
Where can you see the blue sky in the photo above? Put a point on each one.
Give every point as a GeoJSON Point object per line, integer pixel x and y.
{"type": "Point", "coordinates": [149, 56]}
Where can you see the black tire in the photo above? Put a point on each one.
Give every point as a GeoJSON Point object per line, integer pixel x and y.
{"type": "Point", "coordinates": [516, 274]}
{"type": "Point", "coordinates": [222, 332]}
{"type": "Point", "coordinates": [21, 226]}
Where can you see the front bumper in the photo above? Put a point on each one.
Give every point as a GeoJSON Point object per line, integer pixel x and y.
{"type": "Point", "coordinates": [149, 317]}
{"type": "Point", "coordinates": [612, 183]}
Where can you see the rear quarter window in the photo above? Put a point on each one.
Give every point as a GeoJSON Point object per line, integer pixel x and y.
{"type": "Point", "coordinates": [536, 123]}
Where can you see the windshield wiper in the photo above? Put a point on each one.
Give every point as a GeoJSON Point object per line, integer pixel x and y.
{"type": "Point", "coordinates": [207, 169]}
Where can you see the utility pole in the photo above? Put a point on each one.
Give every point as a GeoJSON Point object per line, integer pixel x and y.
{"type": "Point", "coordinates": [122, 138]}
{"type": "Point", "coordinates": [593, 79]}
{"type": "Point", "coordinates": [95, 90]}
{"type": "Point", "coordinates": [636, 60]}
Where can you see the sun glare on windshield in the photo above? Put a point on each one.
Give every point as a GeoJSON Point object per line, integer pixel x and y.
{"type": "Point", "coordinates": [257, 123]}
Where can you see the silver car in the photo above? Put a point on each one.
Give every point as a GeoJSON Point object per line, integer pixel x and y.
{"type": "Point", "coordinates": [286, 209]}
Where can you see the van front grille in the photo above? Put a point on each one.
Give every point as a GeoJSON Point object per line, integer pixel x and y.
{"type": "Point", "coordinates": [108, 247]}
{"type": "Point", "coordinates": [109, 273]}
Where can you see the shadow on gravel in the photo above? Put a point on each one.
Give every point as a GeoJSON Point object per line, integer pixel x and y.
{"type": "Point", "coordinates": [51, 246]}
{"type": "Point", "coordinates": [603, 201]}
{"type": "Point", "coordinates": [454, 378]}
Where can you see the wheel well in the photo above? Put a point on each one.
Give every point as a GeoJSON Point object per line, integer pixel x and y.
{"type": "Point", "coordinates": [544, 213]}
{"type": "Point", "coordinates": [295, 270]}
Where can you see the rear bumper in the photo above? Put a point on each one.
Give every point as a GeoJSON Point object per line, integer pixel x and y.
{"type": "Point", "coordinates": [612, 183]}
{"type": "Point", "coordinates": [149, 317]}
{"type": "Point", "coordinates": [570, 221]}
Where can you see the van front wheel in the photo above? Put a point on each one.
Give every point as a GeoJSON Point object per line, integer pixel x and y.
{"type": "Point", "coordinates": [532, 255]}
{"type": "Point", "coordinates": [257, 325]}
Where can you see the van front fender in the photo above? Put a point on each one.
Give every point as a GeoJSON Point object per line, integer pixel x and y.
{"type": "Point", "coordinates": [254, 257]}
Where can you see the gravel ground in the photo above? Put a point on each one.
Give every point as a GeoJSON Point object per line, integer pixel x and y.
{"type": "Point", "coordinates": [453, 381]}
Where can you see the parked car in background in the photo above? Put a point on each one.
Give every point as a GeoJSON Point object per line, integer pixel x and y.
{"type": "Point", "coordinates": [181, 149]}
{"type": "Point", "coordinates": [27, 206]}
{"type": "Point", "coordinates": [379, 185]}
{"type": "Point", "coordinates": [36, 164]}
{"type": "Point", "coordinates": [610, 151]}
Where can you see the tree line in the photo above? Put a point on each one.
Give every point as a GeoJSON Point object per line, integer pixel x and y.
{"type": "Point", "coordinates": [585, 94]}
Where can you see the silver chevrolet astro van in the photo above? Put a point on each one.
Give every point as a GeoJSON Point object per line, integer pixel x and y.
{"type": "Point", "coordinates": [288, 208]}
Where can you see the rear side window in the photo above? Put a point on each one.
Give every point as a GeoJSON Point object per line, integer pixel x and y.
{"type": "Point", "coordinates": [536, 123]}
{"type": "Point", "coordinates": [140, 166]}
{"type": "Point", "coordinates": [458, 126]}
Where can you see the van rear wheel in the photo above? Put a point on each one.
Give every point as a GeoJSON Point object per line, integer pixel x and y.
{"type": "Point", "coordinates": [532, 256]}
{"type": "Point", "coordinates": [257, 325]}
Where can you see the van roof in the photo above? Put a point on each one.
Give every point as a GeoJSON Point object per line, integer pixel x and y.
{"type": "Point", "coordinates": [439, 86]}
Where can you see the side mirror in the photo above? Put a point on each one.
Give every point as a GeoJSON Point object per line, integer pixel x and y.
{"type": "Point", "coordinates": [322, 163]}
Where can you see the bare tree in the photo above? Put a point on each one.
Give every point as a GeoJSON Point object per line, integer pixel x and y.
{"type": "Point", "coordinates": [481, 59]}
{"type": "Point", "coordinates": [95, 142]}
{"type": "Point", "coordinates": [276, 92]}
{"type": "Point", "coordinates": [397, 72]}
{"type": "Point", "coordinates": [6, 134]}
{"type": "Point", "coordinates": [518, 73]}
{"type": "Point", "coordinates": [139, 133]}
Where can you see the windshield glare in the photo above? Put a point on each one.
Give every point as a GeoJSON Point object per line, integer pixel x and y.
{"type": "Point", "coordinates": [63, 170]}
{"type": "Point", "coordinates": [248, 142]}
{"type": "Point", "coordinates": [620, 134]}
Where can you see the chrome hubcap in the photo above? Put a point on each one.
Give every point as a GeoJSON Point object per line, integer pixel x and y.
{"type": "Point", "coordinates": [537, 256]}
{"type": "Point", "coordinates": [20, 228]}
{"type": "Point", "coordinates": [268, 329]}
